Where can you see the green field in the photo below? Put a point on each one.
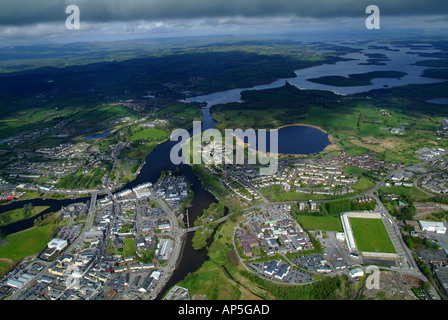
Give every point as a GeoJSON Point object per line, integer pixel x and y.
{"type": "Point", "coordinates": [127, 250]}
{"type": "Point", "coordinates": [25, 243]}
{"type": "Point", "coordinates": [371, 235]}
{"type": "Point", "coordinates": [147, 134]}
{"type": "Point", "coordinates": [327, 223]}
{"type": "Point", "coordinates": [412, 192]}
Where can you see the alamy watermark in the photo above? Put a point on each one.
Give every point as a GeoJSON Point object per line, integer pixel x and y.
{"type": "Point", "coordinates": [73, 20]}
{"type": "Point", "coordinates": [191, 150]}
{"type": "Point", "coordinates": [373, 280]}
{"type": "Point", "coordinates": [373, 21]}
{"type": "Point", "coordinates": [73, 278]}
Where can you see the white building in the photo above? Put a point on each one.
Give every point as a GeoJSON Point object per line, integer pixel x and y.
{"type": "Point", "coordinates": [340, 236]}
{"type": "Point", "coordinates": [142, 193]}
{"type": "Point", "coordinates": [58, 244]}
{"type": "Point", "coordinates": [437, 227]}
{"type": "Point", "coordinates": [164, 249]}
{"type": "Point", "coordinates": [348, 233]}
{"type": "Point", "coordinates": [356, 272]}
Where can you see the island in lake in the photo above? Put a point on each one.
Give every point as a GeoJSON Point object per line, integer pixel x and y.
{"type": "Point", "coordinates": [359, 79]}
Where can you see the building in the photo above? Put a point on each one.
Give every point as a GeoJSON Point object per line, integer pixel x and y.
{"type": "Point", "coordinates": [442, 277]}
{"type": "Point", "coordinates": [247, 243]}
{"type": "Point", "coordinates": [164, 225]}
{"type": "Point", "coordinates": [19, 282]}
{"type": "Point", "coordinates": [282, 271]}
{"type": "Point", "coordinates": [57, 271]}
{"type": "Point", "coordinates": [164, 249]}
{"type": "Point", "coordinates": [146, 285]}
{"type": "Point", "coordinates": [271, 267]}
{"type": "Point", "coordinates": [356, 272]}
{"type": "Point", "coordinates": [142, 193]}
{"type": "Point", "coordinates": [430, 226]}
{"type": "Point", "coordinates": [348, 233]}
{"type": "Point", "coordinates": [58, 244]}
{"type": "Point", "coordinates": [340, 236]}
{"type": "Point", "coordinates": [117, 243]}
{"type": "Point", "coordinates": [323, 268]}
{"type": "Point", "coordinates": [92, 236]}
{"type": "Point", "coordinates": [445, 124]}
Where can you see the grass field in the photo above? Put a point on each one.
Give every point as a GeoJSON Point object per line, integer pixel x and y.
{"type": "Point", "coordinates": [128, 248]}
{"type": "Point", "coordinates": [327, 223]}
{"type": "Point", "coordinates": [26, 243]}
{"type": "Point", "coordinates": [413, 192]}
{"type": "Point", "coordinates": [147, 134]}
{"type": "Point", "coordinates": [371, 235]}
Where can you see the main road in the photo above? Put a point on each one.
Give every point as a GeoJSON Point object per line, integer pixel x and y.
{"type": "Point", "coordinates": [176, 233]}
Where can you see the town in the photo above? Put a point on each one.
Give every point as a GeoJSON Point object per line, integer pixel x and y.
{"type": "Point", "coordinates": [122, 246]}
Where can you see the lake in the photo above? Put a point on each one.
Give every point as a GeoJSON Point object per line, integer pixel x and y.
{"type": "Point", "coordinates": [438, 100]}
{"type": "Point", "coordinates": [398, 59]}
{"type": "Point", "coordinates": [99, 135]}
{"type": "Point", "coordinates": [296, 139]}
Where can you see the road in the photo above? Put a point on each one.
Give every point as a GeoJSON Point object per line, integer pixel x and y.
{"type": "Point", "coordinates": [176, 234]}
{"type": "Point", "coordinates": [396, 237]}
{"type": "Point", "coordinates": [88, 225]}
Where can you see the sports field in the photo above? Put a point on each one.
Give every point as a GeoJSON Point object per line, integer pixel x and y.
{"type": "Point", "coordinates": [371, 235]}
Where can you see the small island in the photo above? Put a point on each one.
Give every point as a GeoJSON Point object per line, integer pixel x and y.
{"type": "Point", "coordinates": [359, 79]}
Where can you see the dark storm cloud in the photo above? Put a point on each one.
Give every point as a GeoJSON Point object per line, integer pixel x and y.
{"type": "Point", "coordinates": [23, 12]}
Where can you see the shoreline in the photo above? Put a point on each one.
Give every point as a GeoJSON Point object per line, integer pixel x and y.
{"type": "Point", "coordinates": [330, 137]}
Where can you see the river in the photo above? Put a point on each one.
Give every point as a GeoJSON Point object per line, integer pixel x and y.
{"type": "Point", "coordinates": [54, 206]}
{"type": "Point", "coordinates": [156, 162]}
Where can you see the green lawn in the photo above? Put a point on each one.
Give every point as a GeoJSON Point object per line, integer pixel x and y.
{"type": "Point", "coordinates": [364, 185]}
{"type": "Point", "coordinates": [4, 268]}
{"type": "Point", "coordinates": [327, 223]}
{"type": "Point", "coordinates": [413, 192]}
{"type": "Point", "coordinates": [26, 243]}
{"type": "Point", "coordinates": [371, 235]}
{"type": "Point", "coordinates": [128, 248]}
{"type": "Point", "coordinates": [150, 133]}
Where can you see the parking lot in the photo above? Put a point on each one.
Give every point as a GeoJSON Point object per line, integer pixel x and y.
{"type": "Point", "coordinates": [280, 271]}
{"type": "Point", "coordinates": [441, 239]}
{"type": "Point", "coordinates": [336, 250]}
{"type": "Point", "coordinates": [309, 262]}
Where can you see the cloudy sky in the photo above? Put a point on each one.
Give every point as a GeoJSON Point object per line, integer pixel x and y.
{"type": "Point", "coordinates": [45, 20]}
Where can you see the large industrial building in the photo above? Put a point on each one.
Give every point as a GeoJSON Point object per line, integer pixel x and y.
{"type": "Point", "coordinates": [430, 226]}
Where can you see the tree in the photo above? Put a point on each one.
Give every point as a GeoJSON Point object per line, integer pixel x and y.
{"type": "Point", "coordinates": [28, 209]}
{"type": "Point", "coordinates": [410, 243]}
